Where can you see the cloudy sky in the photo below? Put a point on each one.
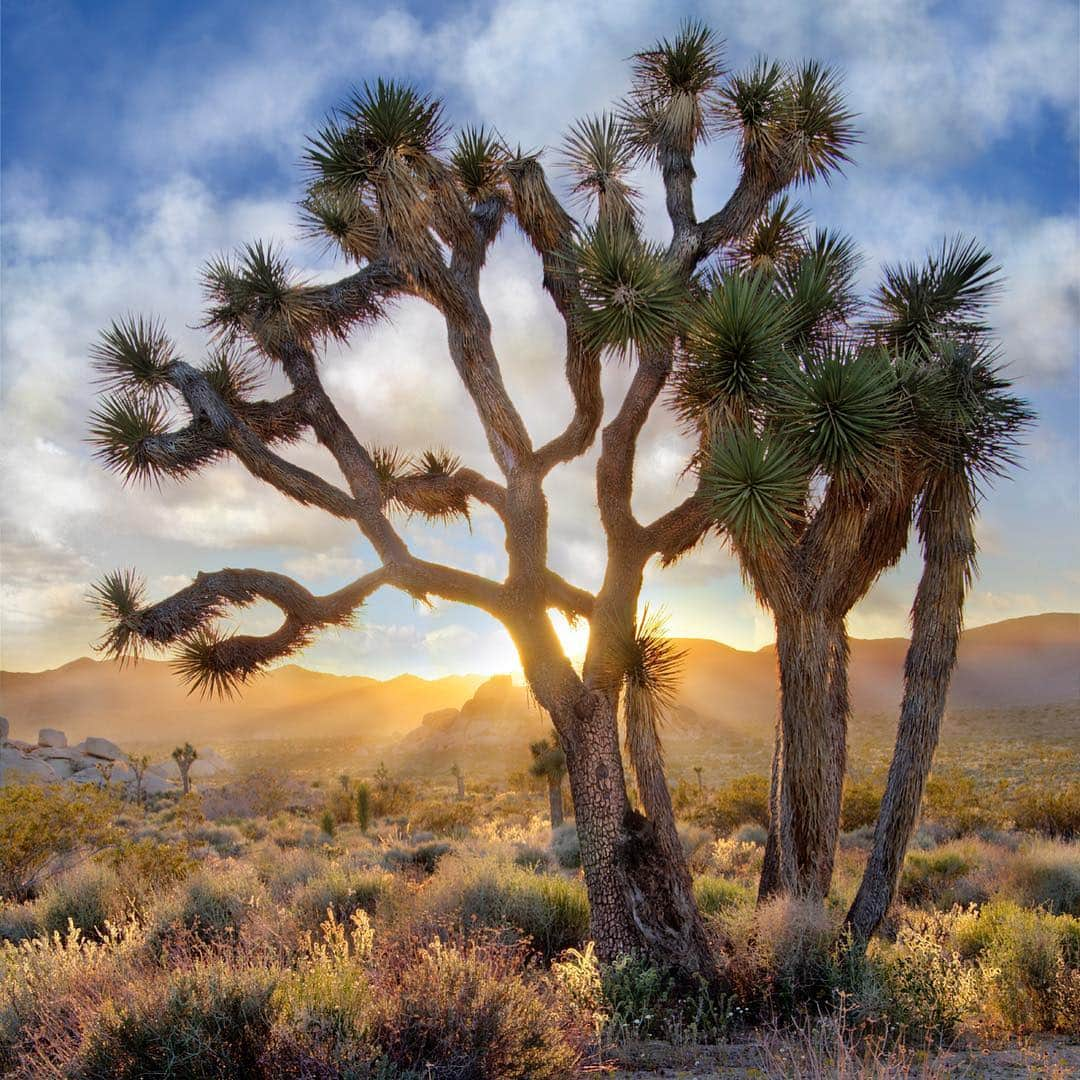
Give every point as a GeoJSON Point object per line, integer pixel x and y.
{"type": "Point", "coordinates": [140, 138]}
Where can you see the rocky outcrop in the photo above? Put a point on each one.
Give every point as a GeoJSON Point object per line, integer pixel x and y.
{"type": "Point", "coordinates": [93, 761]}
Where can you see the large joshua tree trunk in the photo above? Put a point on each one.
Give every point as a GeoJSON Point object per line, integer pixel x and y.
{"type": "Point", "coordinates": [946, 525]}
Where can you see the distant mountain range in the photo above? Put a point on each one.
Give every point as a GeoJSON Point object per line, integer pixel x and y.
{"type": "Point", "coordinates": [1030, 661]}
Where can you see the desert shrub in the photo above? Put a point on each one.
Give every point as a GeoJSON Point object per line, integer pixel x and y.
{"type": "Point", "coordinates": [19, 922]}
{"type": "Point", "coordinates": [1054, 811]}
{"type": "Point", "coordinates": [213, 1020]}
{"type": "Point", "coordinates": [530, 857]}
{"type": "Point", "coordinates": [734, 858]}
{"type": "Point", "coordinates": [567, 847]}
{"type": "Point", "coordinates": [341, 891]}
{"type": "Point", "coordinates": [750, 832]}
{"type": "Point", "coordinates": [443, 818]}
{"type": "Point", "coordinates": [390, 795]}
{"type": "Point", "coordinates": [780, 954]}
{"type": "Point", "coordinates": [576, 973]}
{"type": "Point", "coordinates": [1029, 959]}
{"type": "Point", "coordinates": [929, 989]}
{"type": "Point", "coordinates": [147, 865]}
{"type": "Point", "coordinates": [363, 807]}
{"type": "Point", "coordinates": [281, 871]}
{"type": "Point", "coordinates": [716, 894]}
{"type": "Point", "coordinates": [953, 799]}
{"type": "Point", "coordinates": [42, 825]}
{"type": "Point", "coordinates": [552, 912]}
{"type": "Point", "coordinates": [941, 878]}
{"type": "Point", "coordinates": [255, 792]}
{"type": "Point", "coordinates": [340, 805]}
{"type": "Point", "coordinates": [87, 897]}
{"type": "Point", "coordinates": [744, 799]}
{"type": "Point", "coordinates": [211, 906]}
{"type": "Point", "coordinates": [327, 823]}
{"type": "Point", "coordinates": [472, 1013]}
{"type": "Point", "coordinates": [696, 843]}
{"type": "Point", "coordinates": [861, 804]}
{"type": "Point", "coordinates": [423, 857]}
{"type": "Point", "coordinates": [226, 840]}
{"type": "Point", "coordinates": [645, 1001]}
{"type": "Point", "coordinates": [1045, 873]}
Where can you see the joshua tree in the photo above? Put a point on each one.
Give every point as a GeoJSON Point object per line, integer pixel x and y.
{"type": "Point", "coordinates": [419, 223]}
{"type": "Point", "coordinates": [459, 776]}
{"type": "Point", "coordinates": [549, 763]}
{"type": "Point", "coordinates": [363, 807]}
{"type": "Point", "coordinates": [185, 756]}
{"type": "Point", "coordinates": [105, 771]}
{"type": "Point", "coordinates": [345, 781]}
{"type": "Point", "coordinates": [826, 427]}
{"type": "Point", "coordinates": [700, 783]}
{"type": "Point", "coordinates": [139, 765]}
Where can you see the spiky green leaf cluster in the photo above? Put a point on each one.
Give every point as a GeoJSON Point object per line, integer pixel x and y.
{"type": "Point", "coordinates": [631, 297]}
{"type": "Point", "coordinates": [200, 663]}
{"type": "Point", "coordinates": [390, 463]}
{"type": "Point", "coordinates": [231, 373]}
{"type": "Point", "coordinates": [255, 294]}
{"type": "Point", "coordinates": [548, 759]}
{"type": "Point", "coordinates": [437, 462]}
{"type": "Point", "coordinates": [134, 355]}
{"type": "Point", "coordinates": [599, 155]}
{"type": "Point", "coordinates": [967, 420]}
{"type": "Point", "coordinates": [477, 160]}
{"type": "Point", "coordinates": [793, 122]}
{"type": "Point", "coordinates": [843, 412]}
{"type": "Point", "coordinates": [733, 350]}
{"type": "Point", "coordinates": [756, 485]}
{"type": "Point", "coordinates": [819, 287]}
{"type": "Point", "coordinates": [946, 294]}
{"type": "Point", "coordinates": [119, 429]}
{"type": "Point", "coordinates": [342, 219]}
{"type": "Point", "coordinates": [118, 598]}
{"type": "Point", "coordinates": [776, 240]}
{"type": "Point", "coordinates": [673, 103]}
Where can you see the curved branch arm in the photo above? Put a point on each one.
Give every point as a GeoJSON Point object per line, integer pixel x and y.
{"type": "Point", "coordinates": [680, 530]}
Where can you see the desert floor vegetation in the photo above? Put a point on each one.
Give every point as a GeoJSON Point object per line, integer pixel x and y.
{"type": "Point", "coordinates": [163, 943]}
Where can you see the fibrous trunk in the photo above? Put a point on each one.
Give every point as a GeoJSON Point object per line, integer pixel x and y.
{"type": "Point", "coordinates": [640, 892]}
{"type": "Point", "coordinates": [809, 757]}
{"type": "Point", "coordinates": [948, 554]}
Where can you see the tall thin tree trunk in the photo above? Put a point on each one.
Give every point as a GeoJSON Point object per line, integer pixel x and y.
{"type": "Point", "coordinates": [555, 801]}
{"type": "Point", "coordinates": [769, 883]}
{"type": "Point", "coordinates": [837, 706]}
{"type": "Point", "coordinates": [946, 525]}
{"type": "Point", "coordinates": [807, 768]}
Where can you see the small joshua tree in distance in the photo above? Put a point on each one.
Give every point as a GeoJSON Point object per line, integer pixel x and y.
{"type": "Point", "coordinates": [185, 756]}
{"type": "Point", "coordinates": [459, 776]}
{"type": "Point", "coordinates": [549, 763]}
{"type": "Point", "coordinates": [363, 806]}
{"type": "Point", "coordinates": [139, 765]}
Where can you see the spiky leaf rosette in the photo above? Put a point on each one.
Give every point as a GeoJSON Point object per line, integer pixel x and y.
{"type": "Point", "coordinates": [433, 495]}
{"type": "Point", "coordinates": [819, 287]}
{"type": "Point", "coordinates": [776, 240]}
{"type": "Point", "coordinates": [230, 371]}
{"type": "Point", "coordinates": [134, 355]}
{"type": "Point", "coordinates": [631, 296]}
{"type": "Point", "coordinates": [967, 420]}
{"type": "Point", "coordinates": [119, 431]}
{"type": "Point", "coordinates": [751, 104]}
{"type": "Point", "coordinates": [201, 663]}
{"type": "Point", "coordinates": [255, 294]}
{"type": "Point", "coordinates": [599, 155]}
{"type": "Point", "coordinates": [340, 219]}
{"type": "Point", "coordinates": [947, 294]}
{"type": "Point", "coordinates": [843, 412]}
{"type": "Point", "coordinates": [118, 598]}
{"type": "Point", "coordinates": [819, 130]}
{"type": "Point", "coordinates": [673, 102]}
{"type": "Point", "coordinates": [477, 161]}
{"type": "Point", "coordinates": [757, 486]}
{"type": "Point", "coordinates": [733, 348]}
{"type": "Point", "coordinates": [651, 665]}
{"type": "Point", "coordinates": [548, 758]}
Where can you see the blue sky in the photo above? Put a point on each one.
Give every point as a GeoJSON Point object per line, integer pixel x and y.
{"type": "Point", "coordinates": [140, 138]}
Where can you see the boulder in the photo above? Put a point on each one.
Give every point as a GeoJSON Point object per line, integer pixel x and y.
{"type": "Point", "coordinates": [63, 767]}
{"type": "Point", "coordinates": [48, 736]}
{"type": "Point", "coordinates": [20, 745]}
{"type": "Point", "coordinates": [17, 768]}
{"type": "Point", "coordinates": [120, 774]}
{"type": "Point", "coordinates": [101, 748]}
{"type": "Point", "coordinates": [153, 784]}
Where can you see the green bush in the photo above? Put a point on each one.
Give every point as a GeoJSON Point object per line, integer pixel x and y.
{"type": "Point", "coordinates": [932, 878]}
{"type": "Point", "coordinates": [485, 894]}
{"type": "Point", "coordinates": [442, 818]}
{"type": "Point", "coordinates": [566, 845]}
{"type": "Point", "coordinates": [1045, 873]}
{"type": "Point", "coordinates": [717, 894]}
{"type": "Point", "coordinates": [739, 801]}
{"type": "Point", "coordinates": [471, 1015]}
{"type": "Point", "coordinates": [211, 1021]}
{"type": "Point", "coordinates": [87, 897]}
{"type": "Point", "coordinates": [424, 857]}
{"type": "Point", "coordinates": [1054, 812]}
{"type": "Point", "coordinates": [341, 891]}
{"type": "Point", "coordinates": [954, 800]}
{"type": "Point", "coordinates": [861, 804]}
{"type": "Point", "coordinates": [529, 857]}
